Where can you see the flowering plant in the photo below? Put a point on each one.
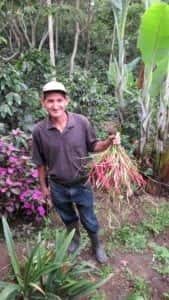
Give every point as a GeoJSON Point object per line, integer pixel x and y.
{"type": "Point", "coordinates": [19, 189]}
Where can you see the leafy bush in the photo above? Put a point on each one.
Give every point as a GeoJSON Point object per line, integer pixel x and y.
{"type": "Point", "coordinates": [35, 67]}
{"type": "Point", "coordinates": [90, 97]}
{"type": "Point", "coordinates": [47, 273]}
{"type": "Point", "coordinates": [19, 89]}
{"type": "Point", "coordinates": [19, 190]}
{"type": "Point", "coordinates": [17, 100]}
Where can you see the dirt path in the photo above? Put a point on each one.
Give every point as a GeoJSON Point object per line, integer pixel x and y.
{"type": "Point", "coordinates": [126, 265]}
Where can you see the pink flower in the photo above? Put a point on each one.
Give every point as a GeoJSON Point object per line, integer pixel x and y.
{"type": "Point", "coordinates": [41, 211]}
{"type": "Point", "coordinates": [10, 208]}
{"type": "Point", "coordinates": [27, 205]}
{"type": "Point", "coordinates": [3, 190]}
{"type": "Point", "coordinates": [9, 181]}
{"type": "Point", "coordinates": [25, 194]}
{"type": "Point", "coordinates": [16, 132]}
{"type": "Point", "coordinates": [10, 170]}
{"type": "Point", "coordinates": [34, 173]}
{"type": "Point", "coordinates": [24, 157]}
{"type": "Point", "coordinates": [11, 147]}
{"type": "Point", "coordinates": [37, 195]}
{"type": "Point", "coordinates": [3, 171]}
{"type": "Point", "coordinates": [13, 159]}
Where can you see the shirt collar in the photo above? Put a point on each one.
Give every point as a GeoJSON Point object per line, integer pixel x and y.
{"type": "Point", "coordinates": [70, 123]}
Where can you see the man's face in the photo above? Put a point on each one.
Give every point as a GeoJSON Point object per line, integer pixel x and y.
{"type": "Point", "coordinates": [55, 104]}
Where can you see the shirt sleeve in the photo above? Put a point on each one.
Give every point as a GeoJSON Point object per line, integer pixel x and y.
{"type": "Point", "coordinates": [37, 155]}
{"type": "Point", "coordinates": [91, 138]}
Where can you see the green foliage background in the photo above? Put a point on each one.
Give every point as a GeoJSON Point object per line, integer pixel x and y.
{"type": "Point", "coordinates": [91, 91]}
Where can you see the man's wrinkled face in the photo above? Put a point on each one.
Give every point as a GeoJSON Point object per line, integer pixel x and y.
{"type": "Point", "coordinates": [55, 104]}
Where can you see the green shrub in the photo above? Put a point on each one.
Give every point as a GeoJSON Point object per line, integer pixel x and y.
{"type": "Point", "coordinates": [46, 273]}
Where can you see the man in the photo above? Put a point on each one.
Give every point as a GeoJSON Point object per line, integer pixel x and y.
{"type": "Point", "coordinates": [61, 143]}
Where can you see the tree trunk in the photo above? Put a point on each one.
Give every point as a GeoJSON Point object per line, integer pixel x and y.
{"type": "Point", "coordinates": [87, 56]}
{"type": "Point", "coordinates": [76, 40]}
{"type": "Point", "coordinates": [57, 38]}
{"type": "Point", "coordinates": [162, 117]}
{"type": "Point", "coordinates": [44, 37]}
{"type": "Point", "coordinates": [120, 85]}
{"type": "Point", "coordinates": [34, 30]}
{"type": "Point", "coordinates": [89, 20]}
{"type": "Point", "coordinates": [51, 36]}
{"type": "Point", "coordinates": [112, 48]}
{"type": "Point", "coordinates": [146, 110]}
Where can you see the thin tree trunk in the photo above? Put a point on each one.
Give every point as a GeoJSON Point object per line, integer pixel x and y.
{"type": "Point", "coordinates": [76, 40]}
{"type": "Point", "coordinates": [44, 37]}
{"type": "Point", "coordinates": [16, 31]}
{"type": "Point", "coordinates": [9, 58]}
{"type": "Point", "coordinates": [89, 20]}
{"type": "Point", "coordinates": [87, 56]}
{"type": "Point", "coordinates": [112, 47]}
{"type": "Point", "coordinates": [10, 40]}
{"type": "Point", "coordinates": [59, 3]}
{"type": "Point", "coordinates": [162, 116]}
{"type": "Point", "coordinates": [33, 30]}
{"type": "Point", "coordinates": [51, 36]}
{"type": "Point", "coordinates": [23, 28]}
{"type": "Point", "coordinates": [146, 110]}
{"type": "Point", "coordinates": [57, 38]}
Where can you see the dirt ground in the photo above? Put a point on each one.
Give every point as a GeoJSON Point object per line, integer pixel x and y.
{"type": "Point", "coordinates": [124, 264]}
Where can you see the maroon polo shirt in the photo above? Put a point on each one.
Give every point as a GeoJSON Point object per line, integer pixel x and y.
{"type": "Point", "coordinates": [64, 153]}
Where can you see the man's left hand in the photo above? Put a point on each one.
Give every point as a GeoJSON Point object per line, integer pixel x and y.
{"type": "Point", "coordinates": [115, 139]}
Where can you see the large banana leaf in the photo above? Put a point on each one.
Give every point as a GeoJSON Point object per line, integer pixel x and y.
{"type": "Point", "coordinates": [153, 40]}
{"type": "Point", "coordinates": [159, 76]}
{"type": "Point", "coordinates": [150, 2]}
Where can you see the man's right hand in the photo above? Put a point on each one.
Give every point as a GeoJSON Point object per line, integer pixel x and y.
{"type": "Point", "coordinates": [46, 196]}
{"type": "Point", "coordinates": [45, 192]}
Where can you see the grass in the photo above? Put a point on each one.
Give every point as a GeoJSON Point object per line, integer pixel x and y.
{"type": "Point", "coordinates": [105, 270]}
{"type": "Point", "coordinates": [140, 290]}
{"type": "Point", "coordinates": [158, 219]}
{"type": "Point", "coordinates": [136, 237]}
{"type": "Point", "coordinates": [161, 258]}
{"type": "Point", "coordinates": [99, 296]}
{"type": "Point", "coordinates": [131, 238]}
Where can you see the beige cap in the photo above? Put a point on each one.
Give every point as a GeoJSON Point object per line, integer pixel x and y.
{"type": "Point", "coordinates": [54, 86]}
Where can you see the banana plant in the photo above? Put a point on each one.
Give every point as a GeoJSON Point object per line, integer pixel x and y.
{"type": "Point", "coordinates": [148, 3]}
{"type": "Point", "coordinates": [163, 114]}
{"type": "Point", "coordinates": [120, 10]}
{"type": "Point", "coordinates": [162, 126]}
{"type": "Point", "coordinates": [153, 42]}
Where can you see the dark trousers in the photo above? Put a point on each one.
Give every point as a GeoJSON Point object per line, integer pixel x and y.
{"type": "Point", "coordinates": [65, 198]}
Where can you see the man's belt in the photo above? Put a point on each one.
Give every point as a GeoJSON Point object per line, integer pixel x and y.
{"type": "Point", "coordinates": [79, 180]}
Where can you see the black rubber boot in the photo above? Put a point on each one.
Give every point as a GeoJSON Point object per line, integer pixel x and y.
{"type": "Point", "coordinates": [97, 248]}
{"type": "Point", "coordinates": [75, 243]}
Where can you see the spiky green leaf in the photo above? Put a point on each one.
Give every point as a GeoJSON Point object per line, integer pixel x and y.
{"type": "Point", "coordinates": [11, 251]}
{"type": "Point", "coordinates": [8, 291]}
